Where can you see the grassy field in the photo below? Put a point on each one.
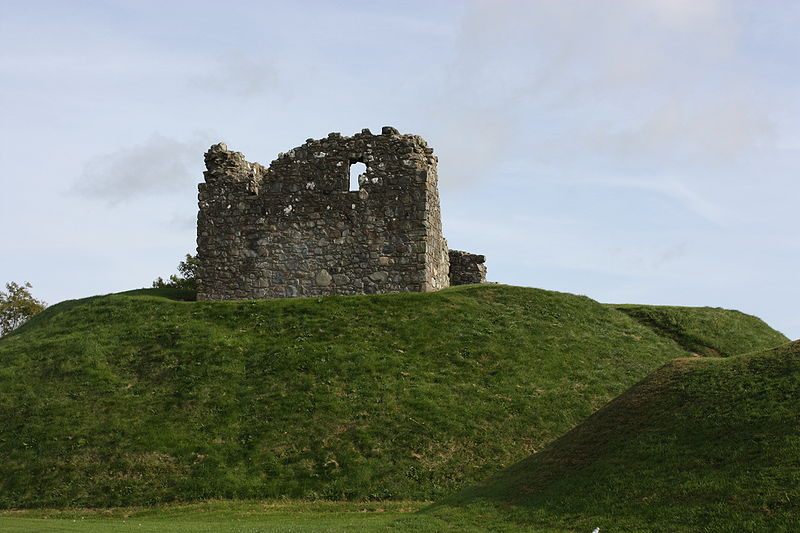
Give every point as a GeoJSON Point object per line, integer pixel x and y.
{"type": "Point", "coordinates": [700, 445]}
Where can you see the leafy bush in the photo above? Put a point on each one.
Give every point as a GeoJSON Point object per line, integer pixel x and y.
{"type": "Point", "coordinates": [17, 305]}
{"type": "Point", "coordinates": [187, 279]}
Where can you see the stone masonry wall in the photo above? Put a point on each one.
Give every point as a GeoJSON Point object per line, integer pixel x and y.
{"type": "Point", "coordinates": [294, 228]}
{"type": "Point", "coordinates": [466, 268]}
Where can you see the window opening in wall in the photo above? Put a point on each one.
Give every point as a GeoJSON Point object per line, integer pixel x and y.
{"type": "Point", "coordinates": [356, 170]}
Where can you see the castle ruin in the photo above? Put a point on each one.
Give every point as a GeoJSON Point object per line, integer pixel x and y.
{"type": "Point", "coordinates": [296, 228]}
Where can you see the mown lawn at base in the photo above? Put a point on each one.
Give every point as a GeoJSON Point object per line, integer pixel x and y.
{"type": "Point", "coordinates": [283, 516]}
{"type": "Point", "coordinates": [223, 517]}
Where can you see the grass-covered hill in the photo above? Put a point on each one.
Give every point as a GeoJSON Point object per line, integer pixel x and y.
{"type": "Point", "coordinates": [705, 444]}
{"type": "Point", "coordinates": [705, 331]}
{"type": "Point", "coordinates": [135, 398]}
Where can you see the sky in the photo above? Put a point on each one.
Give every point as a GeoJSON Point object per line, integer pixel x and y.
{"type": "Point", "coordinates": [634, 151]}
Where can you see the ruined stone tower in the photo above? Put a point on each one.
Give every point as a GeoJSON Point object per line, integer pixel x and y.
{"type": "Point", "coordinates": [296, 229]}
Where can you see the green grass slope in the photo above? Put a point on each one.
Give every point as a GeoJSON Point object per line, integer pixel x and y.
{"type": "Point", "coordinates": [708, 331]}
{"type": "Point", "coordinates": [134, 398]}
{"type": "Point", "coordinates": [700, 445]}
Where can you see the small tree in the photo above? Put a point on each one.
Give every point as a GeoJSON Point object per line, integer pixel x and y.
{"type": "Point", "coordinates": [187, 278]}
{"type": "Point", "coordinates": [16, 306]}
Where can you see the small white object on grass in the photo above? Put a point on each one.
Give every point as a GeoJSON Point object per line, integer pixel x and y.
{"type": "Point", "coordinates": [596, 530]}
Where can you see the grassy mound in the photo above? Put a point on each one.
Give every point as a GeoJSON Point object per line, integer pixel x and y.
{"type": "Point", "coordinates": [708, 331]}
{"type": "Point", "coordinates": [700, 445]}
{"type": "Point", "coordinates": [138, 399]}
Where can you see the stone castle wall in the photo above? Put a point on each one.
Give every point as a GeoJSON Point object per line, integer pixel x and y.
{"type": "Point", "coordinates": [295, 229]}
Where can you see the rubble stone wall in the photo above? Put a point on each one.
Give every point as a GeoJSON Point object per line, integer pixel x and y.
{"type": "Point", "coordinates": [466, 268]}
{"type": "Point", "coordinates": [295, 229]}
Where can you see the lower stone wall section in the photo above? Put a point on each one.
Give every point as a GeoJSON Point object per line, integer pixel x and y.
{"type": "Point", "coordinates": [466, 268]}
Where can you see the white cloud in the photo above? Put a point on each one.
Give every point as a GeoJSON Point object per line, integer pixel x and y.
{"type": "Point", "coordinates": [158, 165]}
{"type": "Point", "coordinates": [670, 187]}
{"type": "Point", "coordinates": [659, 83]}
{"type": "Point", "coordinates": [237, 74]}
